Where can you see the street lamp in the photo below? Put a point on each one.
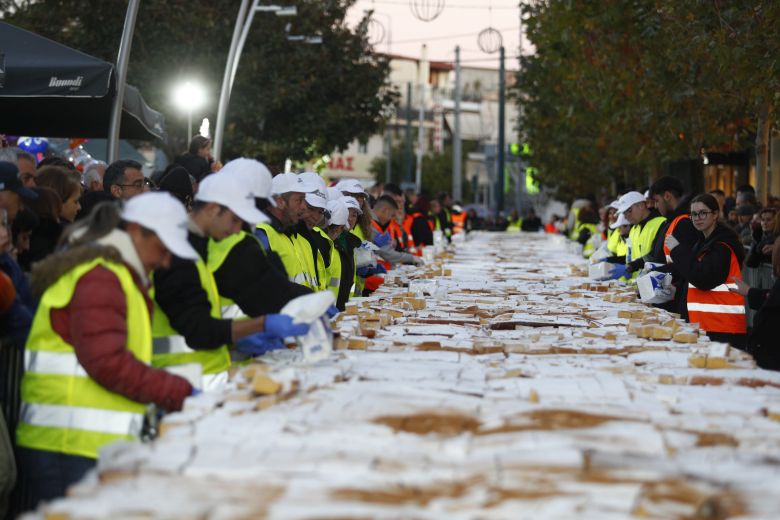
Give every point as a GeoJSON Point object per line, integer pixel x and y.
{"type": "Point", "coordinates": [189, 96]}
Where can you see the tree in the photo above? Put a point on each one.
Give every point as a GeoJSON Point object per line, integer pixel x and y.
{"type": "Point", "coordinates": [617, 88]}
{"type": "Point", "coordinates": [290, 100]}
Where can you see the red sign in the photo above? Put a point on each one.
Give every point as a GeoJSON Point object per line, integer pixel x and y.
{"type": "Point", "coordinates": [341, 163]}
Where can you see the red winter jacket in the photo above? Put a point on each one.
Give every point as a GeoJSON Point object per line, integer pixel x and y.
{"type": "Point", "coordinates": [94, 323]}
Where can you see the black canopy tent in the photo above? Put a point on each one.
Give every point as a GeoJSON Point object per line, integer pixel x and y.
{"type": "Point", "coordinates": [48, 89]}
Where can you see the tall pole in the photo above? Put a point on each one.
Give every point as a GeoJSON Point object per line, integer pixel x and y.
{"type": "Point", "coordinates": [224, 94]}
{"type": "Point", "coordinates": [420, 140]}
{"type": "Point", "coordinates": [457, 167]}
{"type": "Point", "coordinates": [189, 125]}
{"type": "Point", "coordinates": [123, 57]}
{"type": "Point", "coordinates": [389, 161]}
{"type": "Point", "coordinates": [408, 134]}
{"type": "Point", "coordinates": [501, 137]}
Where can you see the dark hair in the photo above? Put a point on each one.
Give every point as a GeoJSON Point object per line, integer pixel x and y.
{"type": "Point", "coordinates": [60, 180]}
{"type": "Point", "coordinates": [47, 205]}
{"type": "Point", "coordinates": [386, 200]}
{"type": "Point", "coordinates": [746, 188]}
{"type": "Point", "coordinates": [115, 172]}
{"type": "Point", "coordinates": [103, 219]}
{"type": "Point", "coordinates": [392, 189]}
{"type": "Point", "coordinates": [198, 142]}
{"type": "Point", "coordinates": [25, 220]}
{"type": "Point", "coordinates": [54, 160]}
{"type": "Point", "coordinates": [667, 183]}
{"type": "Point", "coordinates": [720, 193]}
{"type": "Point", "coordinates": [588, 215]}
{"type": "Point", "coordinates": [708, 200]}
{"type": "Point", "coordinates": [178, 183]}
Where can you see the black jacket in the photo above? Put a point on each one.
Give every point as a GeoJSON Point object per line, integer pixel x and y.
{"type": "Point", "coordinates": [706, 266]}
{"type": "Point", "coordinates": [184, 301]}
{"type": "Point", "coordinates": [255, 279]}
{"type": "Point", "coordinates": [756, 256]}
{"type": "Point", "coordinates": [687, 235]}
{"type": "Point", "coordinates": [763, 341]}
{"type": "Point", "coordinates": [533, 224]}
{"type": "Point", "coordinates": [421, 231]}
{"type": "Point", "coordinates": [345, 244]}
{"type": "Point", "coordinates": [43, 242]}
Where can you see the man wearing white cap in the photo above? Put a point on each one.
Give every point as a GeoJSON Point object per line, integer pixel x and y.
{"type": "Point", "coordinates": [315, 246]}
{"type": "Point", "coordinates": [188, 325]}
{"type": "Point", "coordinates": [288, 191]}
{"type": "Point", "coordinates": [250, 281]}
{"type": "Point", "coordinates": [645, 225]}
{"type": "Point", "coordinates": [342, 267]}
{"type": "Point", "coordinates": [87, 378]}
{"type": "Point", "coordinates": [353, 188]}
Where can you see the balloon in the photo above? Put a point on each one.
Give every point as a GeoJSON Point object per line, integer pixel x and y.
{"type": "Point", "coordinates": [34, 145]}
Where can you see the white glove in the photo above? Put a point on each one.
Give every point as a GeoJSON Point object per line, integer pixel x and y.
{"type": "Point", "coordinates": [418, 260]}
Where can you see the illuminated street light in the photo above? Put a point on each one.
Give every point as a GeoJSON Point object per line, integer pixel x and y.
{"type": "Point", "coordinates": [189, 96]}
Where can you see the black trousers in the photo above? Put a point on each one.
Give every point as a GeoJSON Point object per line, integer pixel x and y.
{"type": "Point", "coordinates": [46, 475]}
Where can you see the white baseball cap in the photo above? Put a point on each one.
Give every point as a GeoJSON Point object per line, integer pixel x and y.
{"type": "Point", "coordinates": [338, 213]}
{"type": "Point", "coordinates": [614, 204]}
{"type": "Point", "coordinates": [160, 212]}
{"type": "Point", "coordinates": [253, 174]}
{"type": "Point", "coordinates": [291, 183]}
{"type": "Point", "coordinates": [232, 192]}
{"type": "Point", "coordinates": [333, 193]}
{"type": "Point", "coordinates": [350, 186]}
{"type": "Point", "coordinates": [318, 198]}
{"type": "Point", "coordinates": [628, 200]}
{"type": "Point", "coordinates": [621, 221]}
{"type": "Point", "coordinates": [351, 202]}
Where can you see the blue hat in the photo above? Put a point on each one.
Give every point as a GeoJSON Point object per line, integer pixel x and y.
{"type": "Point", "coordinates": [9, 181]}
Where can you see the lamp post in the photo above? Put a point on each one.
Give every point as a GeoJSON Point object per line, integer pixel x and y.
{"type": "Point", "coordinates": [189, 96]}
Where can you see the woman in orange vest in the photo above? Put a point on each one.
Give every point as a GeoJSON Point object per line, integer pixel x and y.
{"type": "Point", "coordinates": [709, 268]}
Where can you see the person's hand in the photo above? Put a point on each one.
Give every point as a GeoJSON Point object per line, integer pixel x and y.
{"type": "Point", "coordinates": [332, 311]}
{"type": "Point", "coordinates": [418, 260]}
{"type": "Point", "coordinates": [216, 166]}
{"type": "Point", "coordinates": [196, 391]}
{"type": "Point", "coordinates": [671, 242]}
{"type": "Point", "coordinates": [742, 288]}
{"type": "Point", "coordinates": [618, 271]}
{"type": "Point", "coordinates": [366, 271]}
{"type": "Point", "coordinates": [282, 326]}
{"type": "Point", "coordinates": [767, 250]}
{"type": "Point", "coordinates": [380, 269]}
{"type": "Point", "coordinates": [383, 239]}
{"type": "Point", "coordinates": [258, 344]}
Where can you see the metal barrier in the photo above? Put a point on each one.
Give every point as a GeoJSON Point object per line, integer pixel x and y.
{"type": "Point", "coordinates": [761, 277]}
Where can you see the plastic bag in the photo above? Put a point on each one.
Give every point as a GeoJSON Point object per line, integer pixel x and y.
{"type": "Point", "coordinates": [312, 309]}
{"type": "Point", "coordinates": [655, 287]}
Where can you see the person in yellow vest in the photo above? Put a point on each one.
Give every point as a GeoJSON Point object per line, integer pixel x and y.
{"type": "Point", "coordinates": [645, 224]}
{"type": "Point", "coordinates": [313, 242]}
{"type": "Point", "coordinates": [586, 232]}
{"type": "Point", "coordinates": [363, 227]}
{"type": "Point", "coordinates": [288, 191]}
{"type": "Point", "coordinates": [250, 280]}
{"type": "Point", "coordinates": [187, 325]}
{"type": "Point", "coordinates": [87, 379]}
{"type": "Point", "coordinates": [514, 222]}
{"type": "Point", "coordinates": [342, 266]}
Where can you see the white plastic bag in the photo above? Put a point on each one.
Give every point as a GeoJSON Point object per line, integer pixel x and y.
{"type": "Point", "coordinates": [655, 287]}
{"type": "Point", "coordinates": [311, 309]}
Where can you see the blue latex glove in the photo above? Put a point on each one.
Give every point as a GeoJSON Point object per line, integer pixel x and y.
{"type": "Point", "coordinates": [196, 391]}
{"type": "Point", "coordinates": [332, 311]}
{"type": "Point", "coordinates": [366, 271]}
{"type": "Point", "coordinates": [258, 344]}
{"type": "Point", "coordinates": [380, 269]}
{"type": "Point", "coordinates": [382, 239]}
{"type": "Point", "coordinates": [618, 271]}
{"type": "Point", "coordinates": [282, 326]}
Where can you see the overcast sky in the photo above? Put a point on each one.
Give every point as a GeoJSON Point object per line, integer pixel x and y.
{"type": "Point", "coordinates": [459, 23]}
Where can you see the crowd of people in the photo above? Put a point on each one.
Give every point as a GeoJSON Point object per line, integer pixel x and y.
{"type": "Point", "coordinates": [129, 294]}
{"type": "Point", "coordinates": [707, 242]}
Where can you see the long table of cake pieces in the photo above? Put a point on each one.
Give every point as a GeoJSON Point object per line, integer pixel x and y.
{"type": "Point", "coordinates": [495, 382]}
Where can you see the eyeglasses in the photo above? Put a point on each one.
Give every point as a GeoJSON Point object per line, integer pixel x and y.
{"type": "Point", "coordinates": [139, 184]}
{"type": "Point", "coordinates": [696, 215]}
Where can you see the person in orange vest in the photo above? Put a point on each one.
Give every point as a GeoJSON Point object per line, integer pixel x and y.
{"type": "Point", "coordinates": [406, 243]}
{"type": "Point", "coordinates": [460, 223]}
{"type": "Point", "coordinates": [418, 225]}
{"type": "Point", "coordinates": [667, 193]}
{"type": "Point", "coordinates": [709, 268]}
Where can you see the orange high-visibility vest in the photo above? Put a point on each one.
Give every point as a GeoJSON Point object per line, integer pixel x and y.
{"type": "Point", "coordinates": [459, 222]}
{"type": "Point", "coordinates": [550, 228]}
{"type": "Point", "coordinates": [719, 310]}
{"type": "Point", "coordinates": [669, 231]}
